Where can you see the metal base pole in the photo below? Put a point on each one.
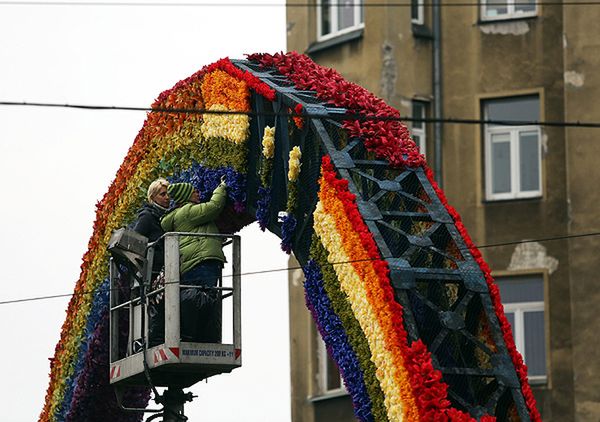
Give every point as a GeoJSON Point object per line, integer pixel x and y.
{"type": "Point", "coordinates": [173, 400]}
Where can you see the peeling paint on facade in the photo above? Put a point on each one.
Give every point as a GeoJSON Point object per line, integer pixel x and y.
{"type": "Point", "coordinates": [290, 25]}
{"type": "Point", "coordinates": [574, 79]}
{"type": "Point", "coordinates": [297, 278]}
{"type": "Point", "coordinates": [544, 144]}
{"type": "Point", "coordinates": [532, 255]}
{"type": "Point", "coordinates": [505, 28]}
{"type": "Point", "coordinates": [388, 71]}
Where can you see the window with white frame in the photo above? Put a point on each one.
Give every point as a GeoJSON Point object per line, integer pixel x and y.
{"type": "Point", "coordinates": [337, 17]}
{"type": "Point", "coordinates": [417, 12]}
{"type": "Point", "coordinates": [507, 9]}
{"type": "Point", "coordinates": [513, 154]}
{"type": "Point", "coordinates": [523, 300]}
{"type": "Point", "coordinates": [419, 127]}
{"type": "Point", "coordinates": [328, 374]}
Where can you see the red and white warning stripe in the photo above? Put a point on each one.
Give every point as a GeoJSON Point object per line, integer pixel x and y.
{"type": "Point", "coordinates": [160, 356]}
{"type": "Point", "coordinates": [115, 372]}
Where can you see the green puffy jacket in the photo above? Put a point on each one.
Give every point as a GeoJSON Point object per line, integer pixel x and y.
{"type": "Point", "coordinates": [197, 218]}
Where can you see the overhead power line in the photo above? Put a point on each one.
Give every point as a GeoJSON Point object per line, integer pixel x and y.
{"type": "Point", "coordinates": [286, 5]}
{"type": "Point", "coordinates": [492, 245]}
{"type": "Point", "coordinates": [291, 113]}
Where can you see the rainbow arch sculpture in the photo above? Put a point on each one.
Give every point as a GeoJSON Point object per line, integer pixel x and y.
{"type": "Point", "coordinates": [401, 296]}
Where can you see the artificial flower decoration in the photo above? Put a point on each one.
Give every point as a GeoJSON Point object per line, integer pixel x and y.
{"type": "Point", "coordinates": [268, 142]}
{"type": "Point", "coordinates": [298, 120]}
{"type": "Point", "coordinates": [288, 227]}
{"type": "Point", "coordinates": [233, 127]}
{"type": "Point", "coordinates": [348, 287]}
{"type": "Point", "coordinates": [294, 164]}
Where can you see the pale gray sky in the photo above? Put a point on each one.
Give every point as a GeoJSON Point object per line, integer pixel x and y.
{"type": "Point", "coordinates": [57, 163]}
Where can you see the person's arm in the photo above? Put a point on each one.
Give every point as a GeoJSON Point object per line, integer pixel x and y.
{"type": "Point", "coordinates": [209, 211]}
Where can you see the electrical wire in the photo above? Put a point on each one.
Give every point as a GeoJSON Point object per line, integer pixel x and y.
{"type": "Point", "coordinates": [291, 113]}
{"type": "Point", "coordinates": [491, 245]}
{"type": "Point", "coordinates": [286, 5]}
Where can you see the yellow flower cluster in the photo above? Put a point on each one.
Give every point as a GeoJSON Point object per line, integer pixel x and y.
{"type": "Point", "coordinates": [360, 281]}
{"type": "Point", "coordinates": [234, 127]}
{"type": "Point", "coordinates": [268, 142]}
{"type": "Point", "coordinates": [294, 164]}
{"type": "Point", "coordinates": [352, 286]}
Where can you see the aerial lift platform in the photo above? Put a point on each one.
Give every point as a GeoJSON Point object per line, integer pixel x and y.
{"type": "Point", "coordinates": [172, 363]}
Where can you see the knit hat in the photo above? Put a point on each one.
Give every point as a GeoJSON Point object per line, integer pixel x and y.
{"type": "Point", "coordinates": [180, 192]}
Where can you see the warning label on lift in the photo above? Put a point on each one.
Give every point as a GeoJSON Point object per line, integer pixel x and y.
{"type": "Point", "coordinates": [208, 353]}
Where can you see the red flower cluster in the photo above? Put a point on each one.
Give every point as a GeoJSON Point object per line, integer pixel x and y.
{"type": "Point", "coordinates": [388, 138]}
{"type": "Point", "coordinates": [298, 121]}
{"type": "Point", "coordinates": [426, 382]}
{"type": "Point", "coordinates": [253, 82]}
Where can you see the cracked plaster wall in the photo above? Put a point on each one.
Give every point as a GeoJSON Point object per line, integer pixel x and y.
{"type": "Point", "coordinates": [532, 255]}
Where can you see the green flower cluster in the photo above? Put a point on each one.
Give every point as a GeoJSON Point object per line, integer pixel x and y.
{"type": "Point", "coordinates": [356, 338]}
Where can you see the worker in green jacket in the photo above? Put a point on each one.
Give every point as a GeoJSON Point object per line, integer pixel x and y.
{"type": "Point", "coordinates": [201, 259]}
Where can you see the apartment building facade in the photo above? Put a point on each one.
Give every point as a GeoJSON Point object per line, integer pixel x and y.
{"type": "Point", "coordinates": [498, 81]}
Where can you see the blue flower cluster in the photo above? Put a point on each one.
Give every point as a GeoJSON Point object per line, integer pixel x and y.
{"type": "Point", "coordinates": [288, 226]}
{"type": "Point", "coordinates": [99, 306]}
{"type": "Point", "coordinates": [335, 338]}
{"type": "Point", "coordinates": [91, 371]}
{"type": "Point", "coordinates": [262, 207]}
{"type": "Point", "coordinates": [207, 179]}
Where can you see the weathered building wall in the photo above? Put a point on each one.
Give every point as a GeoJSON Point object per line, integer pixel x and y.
{"type": "Point", "coordinates": [581, 91]}
{"type": "Point", "coordinates": [490, 60]}
{"type": "Point", "coordinates": [556, 56]}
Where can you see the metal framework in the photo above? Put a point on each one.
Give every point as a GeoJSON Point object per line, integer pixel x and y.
{"type": "Point", "coordinates": [441, 288]}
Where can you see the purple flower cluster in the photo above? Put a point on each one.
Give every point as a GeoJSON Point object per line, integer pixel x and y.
{"type": "Point", "coordinates": [288, 226]}
{"type": "Point", "coordinates": [89, 396]}
{"type": "Point", "coordinates": [99, 307]}
{"type": "Point", "coordinates": [334, 335]}
{"type": "Point", "coordinates": [207, 179]}
{"type": "Point", "coordinates": [262, 207]}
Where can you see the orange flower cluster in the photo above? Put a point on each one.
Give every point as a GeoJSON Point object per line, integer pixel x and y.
{"type": "Point", "coordinates": [377, 317]}
{"type": "Point", "coordinates": [413, 388]}
{"type": "Point", "coordinates": [220, 88]}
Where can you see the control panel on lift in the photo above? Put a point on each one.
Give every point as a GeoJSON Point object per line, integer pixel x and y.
{"type": "Point", "coordinates": [146, 341]}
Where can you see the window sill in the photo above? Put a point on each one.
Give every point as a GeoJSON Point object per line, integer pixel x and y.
{"type": "Point", "coordinates": [489, 201]}
{"type": "Point", "coordinates": [421, 31]}
{"type": "Point", "coordinates": [329, 395]}
{"type": "Point", "coordinates": [506, 19]}
{"type": "Point", "coordinates": [335, 41]}
{"type": "Point", "coordinates": [539, 382]}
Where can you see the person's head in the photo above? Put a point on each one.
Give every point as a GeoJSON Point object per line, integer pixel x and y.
{"type": "Point", "coordinates": [158, 193]}
{"type": "Point", "coordinates": [195, 197]}
{"type": "Point", "coordinates": [181, 192]}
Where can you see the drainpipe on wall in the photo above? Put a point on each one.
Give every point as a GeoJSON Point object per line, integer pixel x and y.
{"type": "Point", "coordinates": [437, 90]}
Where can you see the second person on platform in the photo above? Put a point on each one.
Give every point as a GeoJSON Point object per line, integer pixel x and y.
{"type": "Point", "coordinates": [201, 259]}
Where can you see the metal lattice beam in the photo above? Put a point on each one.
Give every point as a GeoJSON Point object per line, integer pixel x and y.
{"type": "Point", "coordinates": [441, 288]}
